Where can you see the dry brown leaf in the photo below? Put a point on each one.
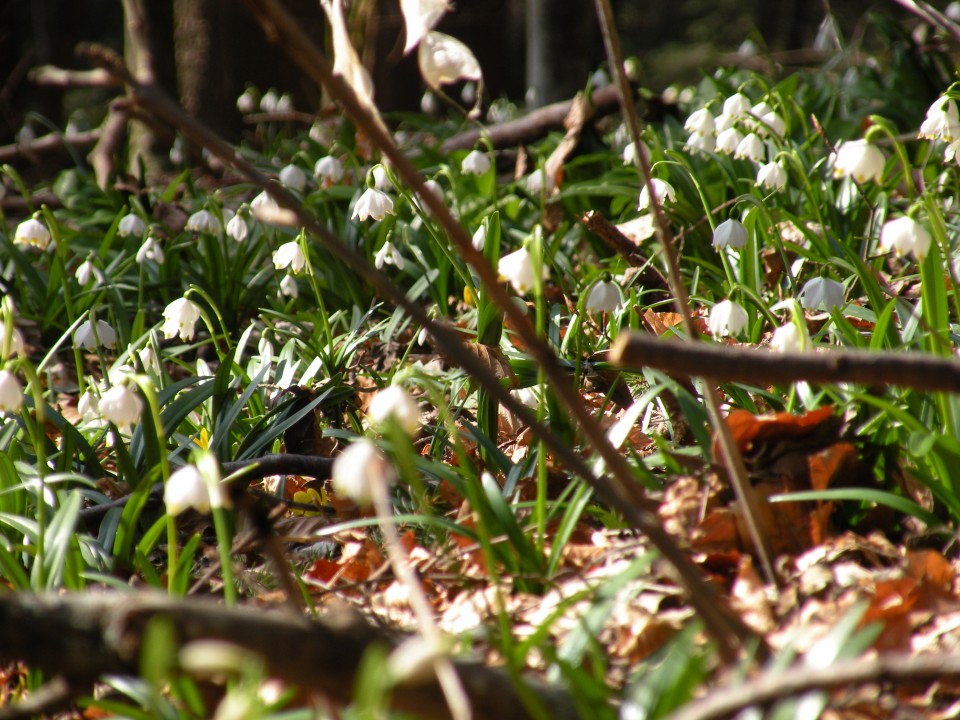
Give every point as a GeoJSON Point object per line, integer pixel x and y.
{"type": "Point", "coordinates": [495, 361]}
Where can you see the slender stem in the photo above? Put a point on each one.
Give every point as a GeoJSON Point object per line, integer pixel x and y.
{"type": "Point", "coordinates": [732, 459]}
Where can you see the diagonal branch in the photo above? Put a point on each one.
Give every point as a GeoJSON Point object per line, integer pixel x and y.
{"type": "Point", "coordinates": [774, 686]}
{"type": "Point", "coordinates": [620, 488]}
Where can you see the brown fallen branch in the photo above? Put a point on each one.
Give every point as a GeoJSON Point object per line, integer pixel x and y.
{"type": "Point", "coordinates": [755, 366]}
{"type": "Point", "coordinates": [54, 76]}
{"type": "Point", "coordinates": [774, 686]}
{"type": "Point", "coordinates": [82, 637]}
{"type": "Point", "coordinates": [48, 144]}
{"type": "Point", "coordinates": [533, 126]}
{"type": "Point", "coordinates": [650, 277]}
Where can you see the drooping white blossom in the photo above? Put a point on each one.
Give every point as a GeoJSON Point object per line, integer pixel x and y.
{"type": "Point", "coordinates": [604, 297]}
{"type": "Point", "coordinates": [180, 318]}
{"type": "Point", "coordinates": [394, 404]}
{"type": "Point", "coordinates": [662, 190]}
{"type": "Point", "coordinates": [357, 469]}
{"type": "Point", "coordinates": [822, 293]}
{"type": "Point", "coordinates": [289, 255]}
{"type": "Point", "coordinates": [444, 60]}
{"type": "Point", "coordinates": [730, 233]}
{"type": "Point", "coordinates": [89, 336]}
{"type": "Point", "coordinates": [32, 233]}
{"type": "Point", "coordinates": [373, 204]}
{"type": "Point", "coordinates": [905, 235]}
{"type": "Point", "coordinates": [860, 160]}
{"type": "Point", "coordinates": [727, 318]}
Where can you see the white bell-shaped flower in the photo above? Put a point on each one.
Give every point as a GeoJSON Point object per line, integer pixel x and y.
{"type": "Point", "coordinates": [373, 204]}
{"type": "Point", "coordinates": [772, 176]}
{"type": "Point", "coordinates": [121, 406]}
{"type": "Point", "coordinates": [150, 250]}
{"type": "Point", "coordinates": [186, 489]}
{"type": "Point", "coordinates": [32, 233]}
{"type": "Point", "coordinates": [329, 170]}
{"type": "Point", "coordinates": [289, 255]}
{"type": "Point", "coordinates": [860, 160]}
{"type": "Point", "coordinates": [790, 338]}
{"type": "Point", "coordinates": [89, 336]}
{"type": "Point", "coordinates": [942, 121]}
{"type": "Point", "coordinates": [294, 178]}
{"type": "Point", "coordinates": [479, 239]}
{"type": "Point", "coordinates": [288, 286]}
{"type": "Point", "coordinates": [729, 140]}
{"type": "Point", "coordinates": [730, 233]}
{"type": "Point", "coordinates": [475, 163]}
{"type": "Point", "coordinates": [16, 340]}
{"type": "Point", "coordinates": [662, 190]}
{"type": "Point", "coordinates": [444, 60]}
{"type": "Point", "coordinates": [180, 318]}
{"type": "Point", "coordinates": [131, 224]}
{"type": "Point", "coordinates": [388, 254]}
{"type": "Point", "coordinates": [737, 105]}
{"type": "Point", "coordinates": [11, 394]}
{"type": "Point", "coordinates": [517, 269]}
{"type": "Point", "coordinates": [750, 148]}
{"type": "Point", "coordinates": [237, 228]}
{"type": "Point", "coordinates": [727, 318]}
{"type": "Point", "coordinates": [394, 404]}
{"type": "Point", "coordinates": [822, 293]}
{"type": "Point", "coordinates": [203, 221]}
{"type": "Point", "coordinates": [905, 235]}
{"type": "Point", "coordinates": [604, 297]}
{"type": "Point", "coordinates": [357, 469]}
{"type": "Point", "coordinates": [701, 121]}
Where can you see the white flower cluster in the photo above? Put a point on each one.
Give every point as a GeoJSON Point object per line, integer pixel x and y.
{"type": "Point", "coordinates": [745, 130]}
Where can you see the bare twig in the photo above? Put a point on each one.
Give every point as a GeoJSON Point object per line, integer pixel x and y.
{"type": "Point", "coordinates": [773, 686]}
{"type": "Point", "coordinates": [650, 277]}
{"type": "Point", "coordinates": [85, 636]}
{"type": "Point", "coordinates": [533, 125]}
{"type": "Point", "coordinates": [931, 16]}
{"type": "Point", "coordinates": [62, 77]}
{"type": "Point", "coordinates": [48, 143]}
{"type": "Point", "coordinates": [754, 366]}
{"type": "Point", "coordinates": [112, 135]}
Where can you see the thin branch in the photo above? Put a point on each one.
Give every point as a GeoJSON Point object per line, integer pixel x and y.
{"type": "Point", "coordinates": [83, 637]}
{"type": "Point", "coordinates": [54, 76]}
{"type": "Point", "coordinates": [774, 686]}
{"type": "Point", "coordinates": [736, 470]}
{"type": "Point", "coordinates": [534, 125]}
{"type": "Point", "coordinates": [48, 143]}
{"type": "Point", "coordinates": [755, 366]}
{"type": "Point", "coordinates": [650, 277]}
{"type": "Point", "coordinates": [931, 16]}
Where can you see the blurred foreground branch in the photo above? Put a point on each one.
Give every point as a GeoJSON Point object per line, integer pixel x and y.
{"type": "Point", "coordinates": [82, 637]}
